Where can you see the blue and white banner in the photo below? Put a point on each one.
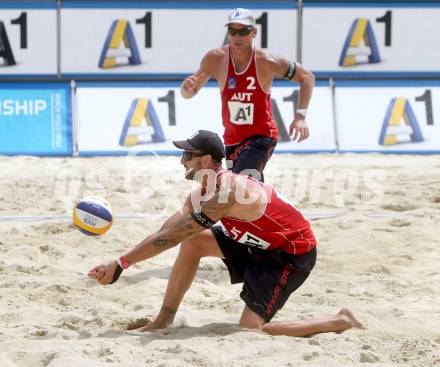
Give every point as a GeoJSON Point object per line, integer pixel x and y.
{"type": "Point", "coordinates": [388, 116]}
{"type": "Point", "coordinates": [35, 119]}
{"type": "Point", "coordinates": [147, 117]}
{"type": "Point", "coordinates": [380, 38]}
{"type": "Point", "coordinates": [118, 37]}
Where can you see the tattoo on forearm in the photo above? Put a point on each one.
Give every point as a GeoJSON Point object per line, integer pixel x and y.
{"type": "Point", "coordinates": [184, 228]}
{"type": "Point", "coordinates": [160, 244]}
{"type": "Point", "coordinates": [169, 310]}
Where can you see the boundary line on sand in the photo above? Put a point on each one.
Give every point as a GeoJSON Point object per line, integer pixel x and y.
{"type": "Point", "coordinates": [309, 215]}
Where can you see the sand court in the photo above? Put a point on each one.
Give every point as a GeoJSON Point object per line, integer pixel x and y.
{"type": "Point", "coordinates": [376, 218]}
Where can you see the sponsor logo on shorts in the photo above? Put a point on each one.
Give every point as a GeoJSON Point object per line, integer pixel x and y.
{"type": "Point", "coordinates": [277, 291]}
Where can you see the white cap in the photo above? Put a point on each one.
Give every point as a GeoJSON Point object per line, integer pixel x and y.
{"type": "Point", "coordinates": [241, 16]}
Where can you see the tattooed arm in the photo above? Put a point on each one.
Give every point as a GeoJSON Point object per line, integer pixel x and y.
{"type": "Point", "coordinates": [181, 226]}
{"type": "Point", "coordinates": [178, 227]}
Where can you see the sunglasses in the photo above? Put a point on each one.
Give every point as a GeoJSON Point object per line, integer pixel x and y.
{"type": "Point", "coordinates": [187, 156]}
{"type": "Point", "coordinates": [241, 31]}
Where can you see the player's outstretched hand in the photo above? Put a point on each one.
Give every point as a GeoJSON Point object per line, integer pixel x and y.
{"type": "Point", "coordinates": [104, 273]}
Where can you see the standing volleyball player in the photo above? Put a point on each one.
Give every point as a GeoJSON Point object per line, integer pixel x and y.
{"type": "Point", "coordinates": [245, 76]}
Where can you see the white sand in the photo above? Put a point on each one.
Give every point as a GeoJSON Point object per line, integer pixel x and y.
{"type": "Point", "coordinates": [385, 268]}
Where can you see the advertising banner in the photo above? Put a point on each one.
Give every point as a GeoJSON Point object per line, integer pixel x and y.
{"type": "Point", "coordinates": [28, 40]}
{"type": "Point", "coordinates": [388, 116]}
{"type": "Point", "coordinates": [371, 39]}
{"type": "Point", "coordinates": [35, 119]}
{"type": "Point", "coordinates": [148, 116]}
{"type": "Point", "coordinates": [118, 39]}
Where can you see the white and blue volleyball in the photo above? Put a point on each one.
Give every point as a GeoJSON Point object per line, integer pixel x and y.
{"type": "Point", "coordinates": [93, 216]}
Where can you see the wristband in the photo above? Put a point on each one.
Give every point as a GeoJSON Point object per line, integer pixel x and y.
{"type": "Point", "coordinates": [122, 262]}
{"type": "Point", "coordinates": [302, 111]}
{"type": "Point", "coordinates": [117, 274]}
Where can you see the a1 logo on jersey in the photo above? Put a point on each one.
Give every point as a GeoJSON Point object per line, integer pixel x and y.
{"type": "Point", "coordinates": [232, 83]}
{"type": "Point", "coordinates": [249, 239]}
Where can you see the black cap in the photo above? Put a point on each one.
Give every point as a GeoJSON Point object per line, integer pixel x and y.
{"type": "Point", "coordinates": [206, 141]}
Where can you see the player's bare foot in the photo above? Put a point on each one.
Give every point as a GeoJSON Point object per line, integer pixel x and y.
{"type": "Point", "coordinates": [138, 323]}
{"type": "Point", "coordinates": [164, 319]}
{"type": "Point", "coordinates": [154, 326]}
{"type": "Point", "coordinates": [146, 324]}
{"type": "Point", "coordinates": [346, 315]}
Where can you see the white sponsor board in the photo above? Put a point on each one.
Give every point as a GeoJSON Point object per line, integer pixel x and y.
{"type": "Point", "coordinates": [406, 39]}
{"type": "Point", "coordinates": [372, 116]}
{"type": "Point", "coordinates": [28, 41]}
{"type": "Point", "coordinates": [319, 119]}
{"type": "Point", "coordinates": [107, 122]}
{"type": "Point", "coordinates": [168, 41]}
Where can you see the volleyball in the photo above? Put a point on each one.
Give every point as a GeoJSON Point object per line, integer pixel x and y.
{"type": "Point", "coordinates": [93, 215]}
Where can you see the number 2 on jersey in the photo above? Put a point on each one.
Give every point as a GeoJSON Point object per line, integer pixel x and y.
{"type": "Point", "coordinates": [251, 85]}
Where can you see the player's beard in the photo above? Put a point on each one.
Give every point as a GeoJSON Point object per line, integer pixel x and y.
{"type": "Point", "coordinates": [190, 173]}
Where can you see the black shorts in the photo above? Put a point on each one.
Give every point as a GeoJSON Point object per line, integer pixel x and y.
{"type": "Point", "coordinates": [268, 277]}
{"type": "Point", "coordinates": [253, 153]}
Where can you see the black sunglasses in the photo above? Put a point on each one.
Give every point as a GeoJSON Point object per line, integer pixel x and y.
{"type": "Point", "coordinates": [241, 31]}
{"type": "Point", "coordinates": [187, 155]}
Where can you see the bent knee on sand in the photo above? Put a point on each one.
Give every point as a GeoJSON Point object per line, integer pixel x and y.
{"type": "Point", "coordinates": [201, 245]}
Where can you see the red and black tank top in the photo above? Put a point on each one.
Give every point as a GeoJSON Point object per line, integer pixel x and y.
{"type": "Point", "coordinates": [246, 107]}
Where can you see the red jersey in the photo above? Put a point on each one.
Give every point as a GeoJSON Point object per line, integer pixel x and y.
{"type": "Point", "coordinates": [281, 226]}
{"type": "Point", "coordinates": [246, 108]}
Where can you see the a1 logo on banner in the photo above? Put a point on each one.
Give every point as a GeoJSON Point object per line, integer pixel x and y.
{"type": "Point", "coordinates": [6, 51]}
{"type": "Point", "coordinates": [401, 125]}
{"type": "Point", "coordinates": [28, 39]}
{"type": "Point", "coordinates": [120, 46]}
{"type": "Point", "coordinates": [120, 34]}
{"type": "Point", "coordinates": [361, 45]}
{"type": "Point", "coordinates": [118, 39]}
{"type": "Point", "coordinates": [142, 124]}
{"type": "Point", "coordinates": [134, 131]}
